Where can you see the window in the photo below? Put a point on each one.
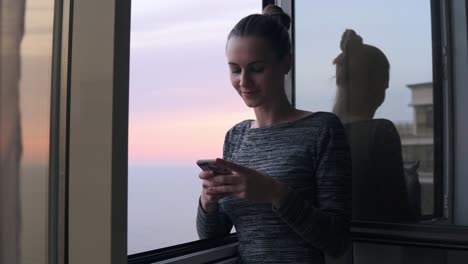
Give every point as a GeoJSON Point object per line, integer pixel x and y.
{"type": "Point", "coordinates": [181, 106]}
{"type": "Point", "coordinates": [94, 220]}
{"type": "Point", "coordinates": [389, 125]}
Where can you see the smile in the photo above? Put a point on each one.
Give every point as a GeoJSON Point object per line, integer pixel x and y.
{"type": "Point", "coordinates": [250, 93]}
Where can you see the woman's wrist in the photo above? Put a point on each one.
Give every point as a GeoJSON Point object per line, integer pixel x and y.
{"type": "Point", "coordinates": [208, 207]}
{"type": "Point", "coordinates": [280, 191]}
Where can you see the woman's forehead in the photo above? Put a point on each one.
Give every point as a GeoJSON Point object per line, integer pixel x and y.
{"type": "Point", "coordinates": [243, 49]}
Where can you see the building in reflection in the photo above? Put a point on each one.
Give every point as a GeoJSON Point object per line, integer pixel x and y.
{"type": "Point", "coordinates": [417, 141]}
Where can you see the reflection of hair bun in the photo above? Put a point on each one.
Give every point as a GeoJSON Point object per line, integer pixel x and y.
{"type": "Point", "coordinates": [350, 40]}
{"type": "Point", "coordinates": [277, 13]}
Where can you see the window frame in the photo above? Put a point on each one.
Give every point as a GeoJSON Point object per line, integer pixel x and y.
{"type": "Point", "coordinates": [58, 239]}
{"type": "Point", "coordinates": [438, 13]}
{"type": "Point", "coordinates": [88, 139]}
{"type": "Point", "coordinates": [206, 250]}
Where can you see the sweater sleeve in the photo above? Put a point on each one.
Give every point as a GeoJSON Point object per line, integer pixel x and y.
{"type": "Point", "coordinates": [216, 224]}
{"type": "Point", "coordinates": [326, 224]}
{"type": "Point", "coordinates": [213, 225]}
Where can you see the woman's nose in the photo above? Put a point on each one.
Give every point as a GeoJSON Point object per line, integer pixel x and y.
{"type": "Point", "coordinates": [244, 79]}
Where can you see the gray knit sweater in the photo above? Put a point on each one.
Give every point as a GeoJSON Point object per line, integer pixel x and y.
{"type": "Point", "coordinates": [312, 157]}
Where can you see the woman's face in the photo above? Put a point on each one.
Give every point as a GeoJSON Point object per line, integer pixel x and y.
{"type": "Point", "coordinates": [255, 70]}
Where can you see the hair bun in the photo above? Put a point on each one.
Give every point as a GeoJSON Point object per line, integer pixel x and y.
{"type": "Point", "coordinates": [350, 40]}
{"type": "Point", "coordinates": [277, 13]}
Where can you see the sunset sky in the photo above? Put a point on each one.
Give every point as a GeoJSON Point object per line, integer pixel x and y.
{"type": "Point", "coordinates": [181, 100]}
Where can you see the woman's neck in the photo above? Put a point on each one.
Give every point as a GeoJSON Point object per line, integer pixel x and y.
{"type": "Point", "coordinates": [274, 113]}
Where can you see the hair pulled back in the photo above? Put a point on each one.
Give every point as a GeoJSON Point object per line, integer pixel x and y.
{"type": "Point", "coordinates": [272, 25]}
{"type": "Point", "coordinates": [357, 57]}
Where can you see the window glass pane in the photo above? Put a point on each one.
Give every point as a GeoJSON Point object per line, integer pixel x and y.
{"type": "Point", "coordinates": [25, 90]}
{"type": "Point", "coordinates": [388, 114]}
{"type": "Point", "coordinates": [181, 106]}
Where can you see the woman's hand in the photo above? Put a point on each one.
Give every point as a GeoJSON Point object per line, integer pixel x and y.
{"type": "Point", "coordinates": [209, 199]}
{"type": "Point", "coordinates": [247, 183]}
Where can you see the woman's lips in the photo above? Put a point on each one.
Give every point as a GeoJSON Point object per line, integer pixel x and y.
{"type": "Point", "coordinates": [250, 94]}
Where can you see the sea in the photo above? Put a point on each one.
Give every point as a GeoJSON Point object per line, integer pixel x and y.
{"type": "Point", "coordinates": [162, 206]}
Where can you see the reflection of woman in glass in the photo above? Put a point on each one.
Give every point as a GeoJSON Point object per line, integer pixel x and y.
{"type": "Point", "coordinates": [379, 189]}
{"type": "Point", "coordinates": [289, 195]}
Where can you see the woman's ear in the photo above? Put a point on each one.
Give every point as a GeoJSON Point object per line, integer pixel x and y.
{"type": "Point", "coordinates": [286, 63]}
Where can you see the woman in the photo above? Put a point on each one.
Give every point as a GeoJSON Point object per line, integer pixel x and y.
{"type": "Point", "coordinates": [379, 188]}
{"type": "Point", "coordinates": [289, 194]}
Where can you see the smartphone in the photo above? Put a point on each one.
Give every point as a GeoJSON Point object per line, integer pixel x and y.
{"type": "Point", "coordinates": [210, 164]}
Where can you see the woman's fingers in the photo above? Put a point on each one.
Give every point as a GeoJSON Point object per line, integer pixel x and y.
{"type": "Point", "coordinates": [216, 187]}
{"type": "Point", "coordinates": [224, 189]}
{"type": "Point", "coordinates": [206, 174]}
{"type": "Point", "coordinates": [232, 166]}
{"type": "Point", "coordinates": [210, 174]}
{"type": "Point", "coordinates": [221, 180]}
{"type": "Point", "coordinates": [214, 197]}
{"type": "Point", "coordinates": [214, 194]}
{"type": "Point", "coordinates": [222, 195]}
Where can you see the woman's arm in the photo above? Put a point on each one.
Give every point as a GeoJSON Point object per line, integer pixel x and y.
{"type": "Point", "coordinates": [215, 223]}
{"type": "Point", "coordinates": [212, 225]}
{"type": "Point", "coordinates": [326, 225]}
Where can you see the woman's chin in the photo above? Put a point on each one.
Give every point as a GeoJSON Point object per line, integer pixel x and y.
{"type": "Point", "coordinates": [254, 101]}
{"type": "Point", "coordinates": [251, 103]}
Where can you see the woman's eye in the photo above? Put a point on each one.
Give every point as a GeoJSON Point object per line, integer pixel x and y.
{"type": "Point", "coordinates": [258, 69]}
{"type": "Point", "coordinates": [235, 71]}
